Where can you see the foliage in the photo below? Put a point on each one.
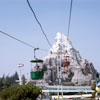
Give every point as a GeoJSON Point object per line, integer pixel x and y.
{"type": "Point", "coordinates": [7, 81]}
{"type": "Point", "coordinates": [94, 89]}
{"type": "Point", "coordinates": [1, 84]}
{"type": "Point", "coordinates": [95, 93]}
{"type": "Point", "coordinates": [20, 92]}
{"type": "Point", "coordinates": [94, 86]}
{"type": "Point", "coordinates": [23, 80]}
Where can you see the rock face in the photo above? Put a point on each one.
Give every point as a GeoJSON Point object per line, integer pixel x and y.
{"type": "Point", "coordinates": [72, 67]}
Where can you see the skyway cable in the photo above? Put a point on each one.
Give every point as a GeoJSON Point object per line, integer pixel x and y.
{"type": "Point", "coordinates": [20, 40]}
{"type": "Point", "coordinates": [69, 17]}
{"type": "Point", "coordinates": [38, 22]}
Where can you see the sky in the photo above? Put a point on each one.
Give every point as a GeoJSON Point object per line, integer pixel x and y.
{"type": "Point", "coordinates": [17, 20]}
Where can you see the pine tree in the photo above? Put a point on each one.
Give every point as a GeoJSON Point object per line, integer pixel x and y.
{"type": "Point", "coordinates": [23, 80]}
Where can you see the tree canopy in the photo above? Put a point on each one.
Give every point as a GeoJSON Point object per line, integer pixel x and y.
{"type": "Point", "coordinates": [7, 81]}
{"type": "Point", "coordinates": [20, 92]}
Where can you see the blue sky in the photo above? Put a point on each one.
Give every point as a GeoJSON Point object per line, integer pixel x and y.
{"type": "Point", "coordinates": [17, 20]}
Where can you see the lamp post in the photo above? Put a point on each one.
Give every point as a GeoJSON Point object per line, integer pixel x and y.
{"type": "Point", "coordinates": [20, 76]}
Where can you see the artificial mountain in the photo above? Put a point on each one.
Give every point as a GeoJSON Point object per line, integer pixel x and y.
{"type": "Point", "coordinates": [80, 71]}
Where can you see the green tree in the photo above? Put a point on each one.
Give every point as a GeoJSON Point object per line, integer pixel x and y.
{"type": "Point", "coordinates": [1, 84]}
{"type": "Point", "coordinates": [94, 89]}
{"type": "Point", "coordinates": [7, 81]}
{"type": "Point", "coordinates": [23, 80]}
{"type": "Point", "coordinates": [23, 92]}
{"type": "Point", "coordinates": [13, 78]}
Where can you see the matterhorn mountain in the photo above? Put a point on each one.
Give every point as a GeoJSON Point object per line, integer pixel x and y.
{"type": "Point", "coordinates": [73, 69]}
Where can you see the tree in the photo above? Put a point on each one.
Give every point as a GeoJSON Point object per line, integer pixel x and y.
{"type": "Point", "coordinates": [23, 80]}
{"type": "Point", "coordinates": [20, 92]}
{"type": "Point", "coordinates": [94, 89]}
{"type": "Point", "coordinates": [1, 84]}
{"type": "Point", "coordinates": [7, 81]}
{"type": "Point", "coordinates": [13, 78]}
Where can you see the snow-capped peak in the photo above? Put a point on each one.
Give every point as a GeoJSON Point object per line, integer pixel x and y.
{"type": "Point", "coordinates": [61, 43]}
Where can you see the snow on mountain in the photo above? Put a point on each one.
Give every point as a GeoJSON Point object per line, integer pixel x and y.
{"type": "Point", "coordinates": [61, 43]}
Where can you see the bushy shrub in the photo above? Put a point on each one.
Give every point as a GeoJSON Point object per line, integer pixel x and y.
{"type": "Point", "coordinates": [23, 92]}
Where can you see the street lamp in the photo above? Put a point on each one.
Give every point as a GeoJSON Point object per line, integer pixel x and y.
{"type": "Point", "coordinates": [20, 76]}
